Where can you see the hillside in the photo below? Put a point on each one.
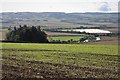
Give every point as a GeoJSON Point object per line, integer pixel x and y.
{"type": "Point", "coordinates": [59, 19]}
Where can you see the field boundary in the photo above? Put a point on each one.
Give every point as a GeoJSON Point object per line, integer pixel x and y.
{"type": "Point", "coordinates": [13, 49]}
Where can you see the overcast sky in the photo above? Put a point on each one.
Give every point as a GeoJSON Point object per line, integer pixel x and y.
{"type": "Point", "coordinates": [67, 6]}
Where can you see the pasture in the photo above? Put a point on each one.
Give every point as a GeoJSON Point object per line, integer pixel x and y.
{"type": "Point", "coordinates": [66, 38]}
{"type": "Point", "coordinates": [30, 60]}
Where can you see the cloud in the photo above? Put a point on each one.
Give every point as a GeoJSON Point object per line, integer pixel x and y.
{"type": "Point", "coordinates": [104, 7]}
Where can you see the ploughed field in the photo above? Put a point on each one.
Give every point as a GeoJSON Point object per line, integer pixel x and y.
{"type": "Point", "coordinates": [59, 60]}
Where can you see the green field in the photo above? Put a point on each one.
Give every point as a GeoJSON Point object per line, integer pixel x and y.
{"type": "Point", "coordinates": [60, 60]}
{"type": "Point", "coordinates": [66, 38]}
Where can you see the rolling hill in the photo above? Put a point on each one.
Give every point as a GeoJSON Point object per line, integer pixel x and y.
{"type": "Point", "coordinates": [59, 19]}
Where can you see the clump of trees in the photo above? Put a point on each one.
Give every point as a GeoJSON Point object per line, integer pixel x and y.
{"type": "Point", "coordinates": [27, 34]}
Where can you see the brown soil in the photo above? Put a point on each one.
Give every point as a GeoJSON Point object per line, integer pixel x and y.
{"type": "Point", "coordinates": [111, 42]}
{"type": "Point", "coordinates": [19, 68]}
{"type": "Point", "coordinates": [2, 35]}
{"type": "Point", "coordinates": [60, 34]}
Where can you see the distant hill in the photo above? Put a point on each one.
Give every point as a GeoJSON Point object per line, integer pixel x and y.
{"type": "Point", "coordinates": [58, 19]}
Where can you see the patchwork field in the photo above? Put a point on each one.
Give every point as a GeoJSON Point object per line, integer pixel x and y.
{"type": "Point", "coordinates": [59, 60]}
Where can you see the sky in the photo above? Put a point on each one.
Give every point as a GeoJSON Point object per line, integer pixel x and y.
{"type": "Point", "coordinates": [67, 6]}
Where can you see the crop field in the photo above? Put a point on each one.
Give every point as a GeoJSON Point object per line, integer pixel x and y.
{"type": "Point", "coordinates": [30, 60]}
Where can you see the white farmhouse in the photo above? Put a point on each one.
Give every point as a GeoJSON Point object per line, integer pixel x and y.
{"type": "Point", "coordinates": [98, 39]}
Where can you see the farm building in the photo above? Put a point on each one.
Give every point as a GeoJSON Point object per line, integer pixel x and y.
{"type": "Point", "coordinates": [98, 38]}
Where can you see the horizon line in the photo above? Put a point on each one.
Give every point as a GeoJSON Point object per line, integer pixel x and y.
{"type": "Point", "coordinates": [57, 12]}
